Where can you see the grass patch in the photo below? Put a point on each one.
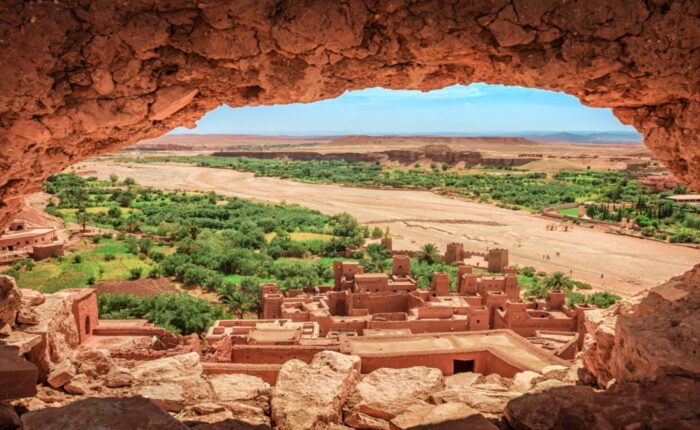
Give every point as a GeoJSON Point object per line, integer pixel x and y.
{"type": "Point", "coordinates": [55, 274]}
{"type": "Point", "coordinates": [299, 236]}
{"type": "Point", "coordinates": [569, 211]}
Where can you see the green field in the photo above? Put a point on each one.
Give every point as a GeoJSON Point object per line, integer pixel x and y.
{"type": "Point", "coordinates": [55, 274]}
{"type": "Point", "coordinates": [299, 236]}
{"type": "Point", "coordinates": [569, 211]}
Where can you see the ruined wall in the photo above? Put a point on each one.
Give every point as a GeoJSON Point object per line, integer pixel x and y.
{"type": "Point", "coordinates": [88, 77]}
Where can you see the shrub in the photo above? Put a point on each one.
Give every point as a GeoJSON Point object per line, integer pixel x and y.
{"type": "Point", "coordinates": [528, 271]}
{"type": "Point", "coordinates": [135, 273]}
{"type": "Point", "coordinates": [77, 259]}
{"type": "Point", "coordinates": [602, 299]}
{"type": "Point", "coordinates": [11, 272]}
{"type": "Point", "coordinates": [91, 280]}
{"type": "Point", "coordinates": [684, 237]}
{"type": "Point", "coordinates": [109, 257]}
{"type": "Point", "coordinates": [96, 239]}
{"type": "Point", "coordinates": [179, 313]}
{"type": "Point", "coordinates": [155, 272]}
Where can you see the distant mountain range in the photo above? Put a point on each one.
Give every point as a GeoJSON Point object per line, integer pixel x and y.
{"type": "Point", "coordinates": [588, 137]}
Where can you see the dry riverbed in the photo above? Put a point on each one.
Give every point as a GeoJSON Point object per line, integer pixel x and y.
{"type": "Point", "coordinates": [627, 265]}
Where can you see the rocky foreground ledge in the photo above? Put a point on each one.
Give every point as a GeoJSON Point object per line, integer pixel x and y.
{"type": "Point", "coordinates": [640, 370]}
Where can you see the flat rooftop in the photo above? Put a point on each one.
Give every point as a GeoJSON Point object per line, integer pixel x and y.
{"type": "Point", "coordinates": [505, 344]}
{"type": "Point", "coordinates": [22, 234]}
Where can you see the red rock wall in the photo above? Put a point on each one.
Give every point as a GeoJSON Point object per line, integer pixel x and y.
{"type": "Point", "coordinates": [85, 78]}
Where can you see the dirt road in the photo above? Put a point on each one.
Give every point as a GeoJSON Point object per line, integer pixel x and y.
{"type": "Point", "coordinates": [628, 265]}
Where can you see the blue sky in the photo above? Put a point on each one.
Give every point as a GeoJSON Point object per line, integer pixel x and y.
{"type": "Point", "coordinates": [473, 109]}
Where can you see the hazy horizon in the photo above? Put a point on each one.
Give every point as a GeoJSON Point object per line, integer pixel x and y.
{"type": "Point", "coordinates": [474, 110]}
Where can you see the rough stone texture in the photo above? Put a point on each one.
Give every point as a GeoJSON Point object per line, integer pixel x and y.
{"type": "Point", "coordinates": [167, 396]}
{"type": "Point", "coordinates": [670, 403]}
{"type": "Point", "coordinates": [27, 316]}
{"type": "Point", "coordinates": [655, 335]}
{"type": "Point", "coordinates": [58, 331]}
{"type": "Point", "coordinates": [18, 377]}
{"type": "Point", "coordinates": [134, 413]}
{"type": "Point", "coordinates": [447, 416]}
{"type": "Point", "coordinates": [386, 393]}
{"type": "Point", "coordinates": [489, 394]}
{"type": "Point", "coordinates": [10, 300]}
{"type": "Point", "coordinates": [94, 362]}
{"type": "Point", "coordinates": [8, 417]}
{"type": "Point", "coordinates": [79, 385]}
{"type": "Point", "coordinates": [169, 368]}
{"type": "Point", "coordinates": [31, 297]}
{"type": "Point", "coordinates": [61, 374]}
{"type": "Point", "coordinates": [91, 77]}
{"type": "Point", "coordinates": [246, 389]}
{"type": "Point", "coordinates": [119, 377]}
{"type": "Point", "coordinates": [310, 396]}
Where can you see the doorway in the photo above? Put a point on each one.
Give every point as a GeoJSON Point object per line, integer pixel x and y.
{"type": "Point", "coordinates": [462, 366]}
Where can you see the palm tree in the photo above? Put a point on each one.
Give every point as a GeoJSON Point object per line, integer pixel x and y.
{"type": "Point", "coordinates": [238, 301]}
{"type": "Point", "coordinates": [428, 253]}
{"type": "Point", "coordinates": [557, 281]}
{"type": "Point", "coordinates": [377, 257]}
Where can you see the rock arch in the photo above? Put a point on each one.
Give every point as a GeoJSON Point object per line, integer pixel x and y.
{"type": "Point", "coordinates": [80, 78]}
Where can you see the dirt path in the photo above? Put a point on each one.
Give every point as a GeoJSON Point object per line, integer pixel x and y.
{"type": "Point", "coordinates": [417, 217]}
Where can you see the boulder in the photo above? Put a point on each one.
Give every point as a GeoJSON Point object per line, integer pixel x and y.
{"type": "Point", "coordinates": [207, 408]}
{"type": "Point", "coordinates": [488, 401]}
{"type": "Point", "coordinates": [168, 368]}
{"type": "Point", "coordinates": [27, 316]}
{"type": "Point", "coordinates": [129, 413]}
{"type": "Point", "coordinates": [61, 374]}
{"type": "Point", "coordinates": [31, 297]}
{"type": "Point", "coordinates": [248, 414]}
{"type": "Point", "coordinates": [386, 393]}
{"type": "Point", "coordinates": [58, 330]}
{"type": "Point", "coordinates": [670, 403]}
{"type": "Point", "coordinates": [5, 329]}
{"type": "Point", "coordinates": [237, 416]}
{"type": "Point", "coordinates": [462, 379]}
{"type": "Point", "coordinates": [241, 388]}
{"type": "Point", "coordinates": [8, 417]}
{"type": "Point", "coordinates": [522, 381]}
{"type": "Point", "coordinates": [310, 396]}
{"type": "Point", "coordinates": [94, 362]}
{"type": "Point", "coordinates": [10, 300]}
{"type": "Point", "coordinates": [167, 396]}
{"type": "Point", "coordinates": [78, 385]}
{"type": "Point", "coordinates": [358, 420]}
{"type": "Point", "coordinates": [446, 416]}
{"type": "Point", "coordinates": [195, 388]}
{"type": "Point", "coordinates": [661, 336]}
{"type": "Point", "coordinates": [119, 377]}
{"type": "Point", "coordinates": [18, 377]}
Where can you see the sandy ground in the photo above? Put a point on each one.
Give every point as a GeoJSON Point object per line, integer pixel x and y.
{"type": "Point", "coordinates": [628, 264]}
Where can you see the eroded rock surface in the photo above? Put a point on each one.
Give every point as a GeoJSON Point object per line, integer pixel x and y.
{"type": "Point", "coordinates": [134, 413]}
{"type": "Point", "coordinates": [446, 416]}
{"type": "Point", "coordinates": [654, 335]}
{"type": "Point", "coordinates": [310, 396]}
{"type": "Point", "coordinates": [90, 77]}
{"type": "Point", "coordinates": [670, 403]}
{"type": "Point", "coordinates": [10, 300]}
{"type": "Point", "coordinates": [385, 393]}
